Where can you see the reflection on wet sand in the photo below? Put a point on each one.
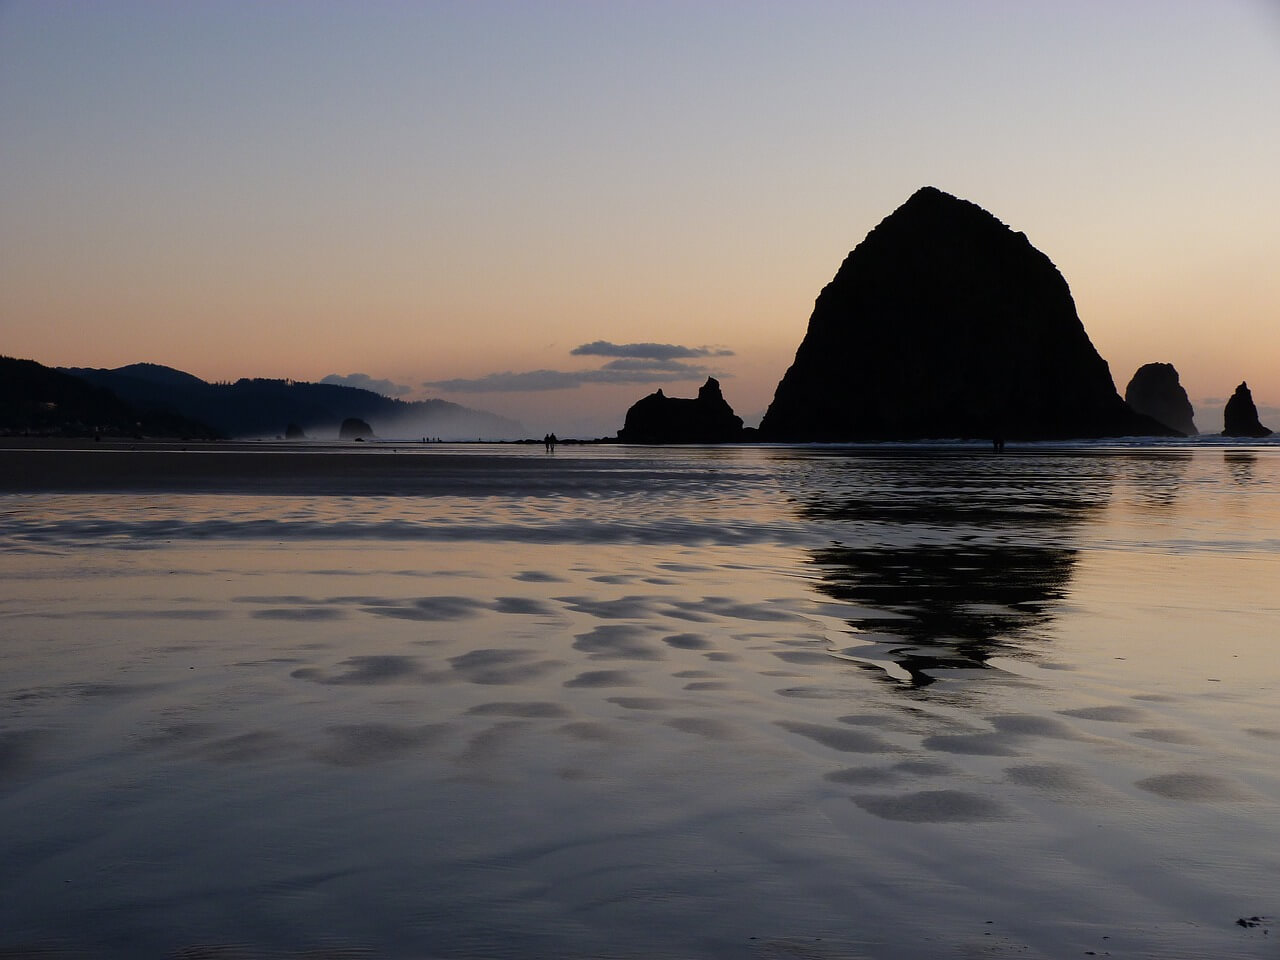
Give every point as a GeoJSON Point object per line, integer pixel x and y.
{"type": "Point", "coordinates": [1154, 477]}
{"type": "Point", "coordinates": [966, 565]}
{"type": "Point", "coordinates": [647, 717]}
{"type": "Point", "coordinates": [1240, 465]}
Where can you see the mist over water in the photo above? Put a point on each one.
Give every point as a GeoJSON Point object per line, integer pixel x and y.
{"type": "Point", "coordinates": [637, 702]}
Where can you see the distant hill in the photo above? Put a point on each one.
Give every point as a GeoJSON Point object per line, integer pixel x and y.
{"type": "Point", "coordinates": [265, 408]}
{"type": "Point", "coordinates": [160, 374]}
{"type": "Point", "coordinates": [35, 399]}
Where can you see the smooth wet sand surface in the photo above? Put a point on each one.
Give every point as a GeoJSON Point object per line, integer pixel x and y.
{"type": "Point", "coordinates": [638, 703]}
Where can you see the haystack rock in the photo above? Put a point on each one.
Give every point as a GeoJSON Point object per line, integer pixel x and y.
{"type": "Point", "coordinates": [662, 419]}
{"type": "Point", "coordinates": [353, 428]}
{"type": "Point", "coordinates": [944, 323]}
{"type": "Point", "coordinates": [1240, 418]}
{"type": "Point", "coordinates": [1156, 391]}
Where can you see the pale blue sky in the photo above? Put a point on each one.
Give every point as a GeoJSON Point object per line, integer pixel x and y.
{"type": "Point", "coordinates": [441, 192]}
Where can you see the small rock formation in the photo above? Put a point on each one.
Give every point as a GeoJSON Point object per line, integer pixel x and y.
{"type": "Point", "coordinates": [1156, 391]}
{"type": "Point", "coordinates": [661, 419]}
{"type": "Point", "coordinates": [1240, 418]}
{"type": "Point", "coordinates": [294, 432]}
{"type": "Point", "coordinates": [353, 428]}
{"type": "Point", "coordinates": [945, 323]}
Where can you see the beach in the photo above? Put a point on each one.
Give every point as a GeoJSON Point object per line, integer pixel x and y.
{"type": "Point", "coordinates": [435, 700]}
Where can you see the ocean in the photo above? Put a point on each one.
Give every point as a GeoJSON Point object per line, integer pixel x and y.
{"type": "Point", "coordinates": [426, 700]}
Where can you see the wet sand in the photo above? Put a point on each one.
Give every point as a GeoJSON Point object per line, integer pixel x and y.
{"type": "Point", "coordinates": [635, 703]}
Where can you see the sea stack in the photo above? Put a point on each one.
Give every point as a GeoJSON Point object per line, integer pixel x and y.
{"type": "Point", "coordinates": [353, 428]}
{"type": "Point", "coordinates": [661, 419]}
{"type": "Point", "coordinates": [1240, 417]}
{"type": "Point", "coordinates": [1156, 391]}
{"type": "Point", "coordinates": [944, 323]}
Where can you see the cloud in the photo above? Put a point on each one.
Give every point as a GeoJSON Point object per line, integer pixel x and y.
{"type": "Point", "coordinates": [643, 363]}
{"type": "Point", "coordinates": [510, 382]}
{"type": "Point", "coordinates": [634, 363]}
{"type": "Point", "coordinates": [652, 351]}
{"type": "Point", "coordinates": [362, 381]}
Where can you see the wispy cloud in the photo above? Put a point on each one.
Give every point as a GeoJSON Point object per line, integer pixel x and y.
{"type": "Point", "coordinates": [512, 382]}
{"type": "Point", "coordinates": [641, 363]}
{"type": "Point", "coordinates": [652, 351]}
{"type": "Point", "coordinates": [362, 381]}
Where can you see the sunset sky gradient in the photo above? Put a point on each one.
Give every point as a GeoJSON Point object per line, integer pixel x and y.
{"type": "Point", "coordinates": [525, 207]}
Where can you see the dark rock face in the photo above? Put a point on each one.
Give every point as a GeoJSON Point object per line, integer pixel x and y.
{"type": "Point", "coordinates": [1156, 391]}
{"type": "Point", "coordinates": [944, 323]}
{"type": "Point", "coordinates": [661, 419]}
{"type": "Point", "coordinates": [353, 428]}
{"type": "Point", "coordinates": [1240, 418]}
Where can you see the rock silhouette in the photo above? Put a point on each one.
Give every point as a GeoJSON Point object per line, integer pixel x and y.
{"type": "Point", "coordinates": [944, 323]}
{"type": "Point", "coordinates": [1240, 417]}
{"type": "Point", "coordinates": [1156, 391]}
{"type": "Point", "coordinates": [661, 419]}
{"type": "Point", "coordinates": [353, 428]}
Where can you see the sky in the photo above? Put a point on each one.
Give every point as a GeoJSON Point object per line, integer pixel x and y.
{"type": "Point", "coordinates": [550, 209]}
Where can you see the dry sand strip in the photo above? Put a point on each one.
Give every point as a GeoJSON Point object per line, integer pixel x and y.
{"type": "Point", "coordinates": [261, 468]}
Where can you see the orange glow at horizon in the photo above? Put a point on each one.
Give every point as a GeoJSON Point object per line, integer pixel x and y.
{"type": "Point", "coordinates": [437, 193]}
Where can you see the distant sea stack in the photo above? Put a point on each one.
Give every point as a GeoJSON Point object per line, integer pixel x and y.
{"type": "Point", "coordinates": [1156, 391]}
{"type": "Point", "coordinates": [661, 419]}
{"type": "Point", "coordinates": [944, 323]}
{"type": "Point", "coordinates": [353, 428]}
{"type": "Point", "coordinates": [1240, 418]}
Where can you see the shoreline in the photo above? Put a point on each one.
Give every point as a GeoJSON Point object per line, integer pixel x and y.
{"type": "Point", "coordinates": [389, 468]}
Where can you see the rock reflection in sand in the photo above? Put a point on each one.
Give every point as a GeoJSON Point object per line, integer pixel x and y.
{"type": "Point", "coordinates": [950, 563]}
{"type": "Point", "coordinates": [661, 705]}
